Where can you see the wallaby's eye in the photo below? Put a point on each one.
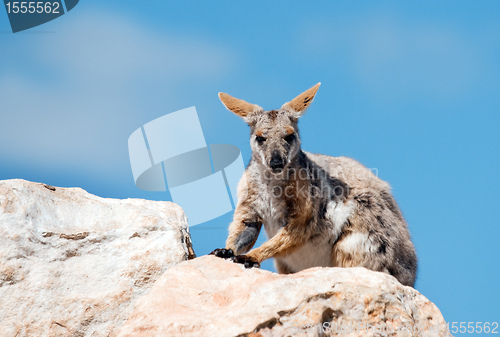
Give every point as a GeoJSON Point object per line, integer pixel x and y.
{"type": "Point", "coordinates": [290, 138]}
{"type": "Point", "coordinates": [260, 139]}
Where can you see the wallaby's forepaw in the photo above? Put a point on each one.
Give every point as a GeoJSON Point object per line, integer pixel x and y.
{"type": "Point", "coordinates": [223, 253]}
{"type": "Point", "coordinates": [247, 261]}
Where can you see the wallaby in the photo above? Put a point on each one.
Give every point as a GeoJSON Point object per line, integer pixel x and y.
{"type": "Point", "coordinates": [317, 210]}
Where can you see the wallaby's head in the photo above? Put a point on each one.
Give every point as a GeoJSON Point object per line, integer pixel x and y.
{"type": "Point", "coordinates": [274, 136]}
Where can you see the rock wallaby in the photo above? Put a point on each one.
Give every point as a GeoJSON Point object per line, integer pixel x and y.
{"type": "Point", "coordinates": [317, 210]}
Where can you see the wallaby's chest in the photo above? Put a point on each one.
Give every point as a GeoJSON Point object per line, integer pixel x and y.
{"type": "Point", "coordinates": [274, 212]}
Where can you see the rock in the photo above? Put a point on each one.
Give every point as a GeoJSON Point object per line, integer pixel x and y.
{"type": "Point", "coordinates": [73, 264]}
{"type": "Point", "coordinates": [209, 296]}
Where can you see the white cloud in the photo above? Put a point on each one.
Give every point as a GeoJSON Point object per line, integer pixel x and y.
{"type": "Point", "coordinates": [74, 96]}
{"type": "Point", "coordinates": [395, 58]}
{"type": "Point", "coordinates": [114, 46]}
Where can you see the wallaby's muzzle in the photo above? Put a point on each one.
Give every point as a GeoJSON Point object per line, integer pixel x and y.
{"type": "Point", "coordinates": [276, 162]}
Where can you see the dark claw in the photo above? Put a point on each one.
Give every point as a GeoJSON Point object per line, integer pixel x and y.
{"type": "Point", "coordinates": [247, 261]}
{"type": "Point", "coordinates": [223, 253]}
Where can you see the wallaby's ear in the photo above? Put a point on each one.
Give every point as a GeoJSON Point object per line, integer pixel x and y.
{"type": "Point", "coordinates": [299, 104]}
{"type": "Point", "coordinates": [239, 106]}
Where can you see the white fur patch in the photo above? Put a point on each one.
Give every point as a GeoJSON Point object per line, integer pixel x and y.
{"type": "Point", "coordinates": [357, 242]}
{"type": "Point", "coordinates": [338, 213]}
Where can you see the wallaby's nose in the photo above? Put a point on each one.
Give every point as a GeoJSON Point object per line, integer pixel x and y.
{"type": "Point", "coordinates": [276, 162]}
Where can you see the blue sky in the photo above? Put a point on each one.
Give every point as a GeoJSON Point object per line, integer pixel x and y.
{"type": "Point", "coordinates": [410, 89]}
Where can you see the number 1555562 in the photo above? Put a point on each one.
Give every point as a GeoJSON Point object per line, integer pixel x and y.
{"type": "Point", "coordinates": [31, 7]}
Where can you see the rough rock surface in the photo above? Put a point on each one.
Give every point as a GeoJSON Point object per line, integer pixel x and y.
{"type": "Point", "coordinates": [209, 296]}
{"type": "Point", "coordinates": [73, 264]}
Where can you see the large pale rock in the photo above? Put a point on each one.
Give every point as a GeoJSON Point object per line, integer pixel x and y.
{"type": "Point", "coordinates": [73, 264]}
{"type": "Point", "coordinates": [209, 296]}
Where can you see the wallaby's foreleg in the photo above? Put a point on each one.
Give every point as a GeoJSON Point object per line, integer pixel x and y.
{"type": "Point", "coordinates": [243, 233]}
{"type": "Point", "coordinates": [290, 237]}
{"type": "Point", "coordinates": [284, 242]}
{"type": "Point", "coordinates": [242, 236]}
{"type": "Point", "coordinates": [245, 228]}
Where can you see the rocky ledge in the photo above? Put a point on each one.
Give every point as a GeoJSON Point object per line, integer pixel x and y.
{"type": "Point", "coordinates": [73, 264]}
{"type": "Point", "coordinates": [209, 296]}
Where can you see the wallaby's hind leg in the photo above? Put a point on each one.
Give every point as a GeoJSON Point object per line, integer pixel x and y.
{"type": "Point", "coordinates": [358, 250]}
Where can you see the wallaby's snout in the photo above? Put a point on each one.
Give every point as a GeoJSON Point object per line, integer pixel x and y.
{"type": "Point", "coordinates": [277, 163]}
